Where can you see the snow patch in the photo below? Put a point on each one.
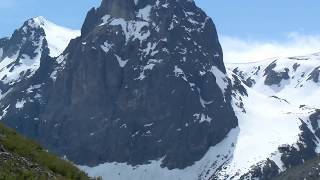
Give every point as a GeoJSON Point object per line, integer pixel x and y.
{"type": "Point", "coordinates": [132, 29]}
{"type": "Point", "coordinates": [106, 46]}
{"type": "Point", "coordinates": [13, 68]}
{"type": "Point", "coordinates": [205, 118]}
{"type": "Point", "coordinates": [145, 13]}
{"type": "Point", "coordinates": [33, 87]}
{"type": "Point", "coordinates": [221, 78]}
{"type": "Point", "coordinates": [148, 125]}
{"type": "Point", "coordinates": [57, 37]}
{"type": "Point", "coordinates": [121, 62]}
{"type": "Point", "coordinates": [20, 104]}
{"type": "Point", "coordinates": [179, 73]}
{"type": "Point", "coordinates": [4, 112]}
{"type": "Point", "coordinates": [61, 65]}
{"type": "Point", "coordinates": [276, 158]}
{"type": "Point", "coordinates": [150, 65]}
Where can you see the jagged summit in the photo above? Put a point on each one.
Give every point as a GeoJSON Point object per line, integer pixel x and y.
{"type": "Point", "coordinates": [38, 21]}
{"type": "Point", "coordinates": [22, 53]}
{"type": "Point", "coordinates": [145, 73]}
{"type": "Point", "coordinates": [57, 37]}
{"type": "Point", "coordinates": [118, 8]}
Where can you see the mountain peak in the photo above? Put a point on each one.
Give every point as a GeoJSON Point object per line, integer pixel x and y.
{"type": "Point", "coordinates": [38, 22]}
{"type": "Point", "coordinates": [118, 8]}
{"type": "Point", "coordinates": [134, 43]}
{"type": "Point", "coordinates": [22, 53]}
{"type": "Point", "coordinates": [57, 36]}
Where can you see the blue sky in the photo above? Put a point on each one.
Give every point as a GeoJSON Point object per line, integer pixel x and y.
{"type": "Point", "coordinates": [244, 23]}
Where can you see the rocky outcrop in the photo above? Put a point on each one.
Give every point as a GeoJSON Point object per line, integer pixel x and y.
{"type": "Point", "coordinates": [309, 171]}
{"type": "Point", "coordinates": [142, 87]}
{"type": "Point", "coordinates": [273, 77]}
{"type": "Point", "coordinates": [314, 75]}
{"type": "Point", "coordinates": [146, 80]}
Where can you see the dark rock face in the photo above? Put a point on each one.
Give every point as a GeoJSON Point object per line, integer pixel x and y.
{"type": "Point", "coordinates": [238, 87]}
{"type": "Point", "coordinates": [23, 41]}
{"type": "Point", "coordinates": [314, 118]}
{"type": "Point", "coordinates": [3, 43]}
{"type": "Point", "coordinates": [302, 162]}
{"type": "Point", "coordinates": [310, 170]}
{"type": "Point", "coordinates": [273, 77]}
{"type": "Point", "coordinates": [314, 75]}
{"type": "Point", "coordinates": [140, 88]}
{"type": "Point", "coordinates": [295, 66]}
{"type": "Point", "coordinates": [144, 81]}
{"type": "Point", "coordinates": [264, 171]}
{"type": "Point", "coordinates": [247, 81]}
{"type": "Point", "coordinates": [120, 9]}
{"type": "Point", "coordinates": [304, 149]}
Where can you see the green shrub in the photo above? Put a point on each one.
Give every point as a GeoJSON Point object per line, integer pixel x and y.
{"type": "Point", "coordinates": [29, 149]}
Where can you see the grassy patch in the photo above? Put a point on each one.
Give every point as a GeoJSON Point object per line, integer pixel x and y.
{"type": "Point", "coordinates": [14, 168]}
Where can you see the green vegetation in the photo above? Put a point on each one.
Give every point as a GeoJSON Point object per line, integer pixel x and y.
{"type": "Point", "coordinates": [21, 159]}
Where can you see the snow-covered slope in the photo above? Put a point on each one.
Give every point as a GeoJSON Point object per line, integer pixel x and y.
{"type": "Point", "coordinates": [38, 38]}
{"type": "Point", "coordinates": [58, 37]}
{"type": "Point", "coordinates": [266, 124]}
{"type": "Point", "coordinates": [295, 79]}
{"type": "Point", "coordinates": [281, 90]}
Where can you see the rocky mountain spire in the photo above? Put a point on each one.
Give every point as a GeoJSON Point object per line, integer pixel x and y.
{"type": "Point", "coordinates": [115, 8]}
{"type": "Point", "coordinates": [118, 8]}
{"type": "Point", "coordinates": [145, 81]}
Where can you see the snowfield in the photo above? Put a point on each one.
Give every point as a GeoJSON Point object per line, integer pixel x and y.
{"type": "Point", "coordinates": [299, 89]}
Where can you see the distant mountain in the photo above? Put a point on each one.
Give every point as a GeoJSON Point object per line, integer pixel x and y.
{"type": "Point", "coordinates": [295, 79]}
{"type": "Point", "coordinates": [21, 54]}
{"type": "Point", "coordinates": [26, 63]}
{"type": "Point", "coordinates": [282, 102]}
{"type": "Point", "coordinates": [23, 159]}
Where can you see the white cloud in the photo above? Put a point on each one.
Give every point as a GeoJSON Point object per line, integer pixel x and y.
{"type": "Point", "coordinates": [243, 50]}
